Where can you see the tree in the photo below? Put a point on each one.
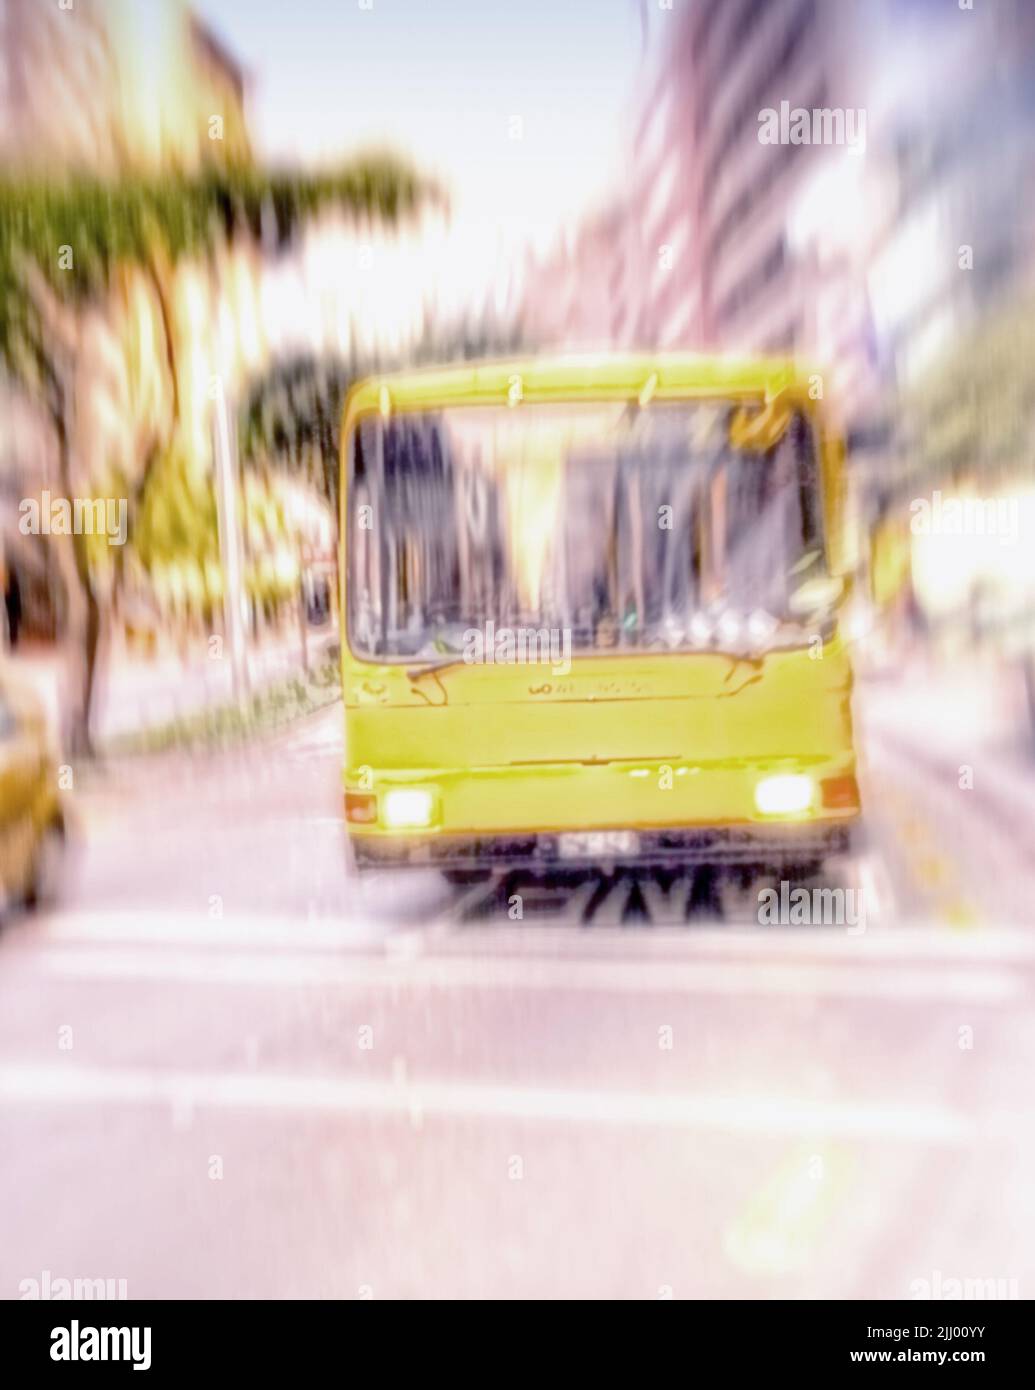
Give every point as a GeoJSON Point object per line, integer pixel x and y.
{"type": "Point", "coordinates": [971, 413]}
{"type": "Point", "coordinates": [292, 416]}
{"type": "Point", "coordinates": [62, 248]}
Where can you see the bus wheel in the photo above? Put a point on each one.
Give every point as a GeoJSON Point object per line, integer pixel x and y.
{"type": "Point", "coordinates": [736, 892]}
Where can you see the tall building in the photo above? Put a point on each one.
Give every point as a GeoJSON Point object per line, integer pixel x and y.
{"type": "Point", "coordinates": [706, 207]}
{"type": "Point", "coordinates": [667, 307]}
{"type": "Point", "coordinates": [727, 191]}
{"type": "Point", "coordinates": [802, 179]}
{"type": "Point", "coordinates": [578, 296]}
{"type": "Point", "coordinates": [109, 85]}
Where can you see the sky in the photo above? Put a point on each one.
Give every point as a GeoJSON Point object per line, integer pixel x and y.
{"type": "Point", "coordinates": [448, 82]}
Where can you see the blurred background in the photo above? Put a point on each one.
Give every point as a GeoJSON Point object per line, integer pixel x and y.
{"type": "Point", "coordinates": [228, 1067]}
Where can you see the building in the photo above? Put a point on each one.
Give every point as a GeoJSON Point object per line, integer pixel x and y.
{"type": "Point", "coordinates": [832, 239]}
{"type": "Point", "coordinates": [703, 236]}
{"type": "Point", "coordinates": [114, 85]}
{"type": "Point", "coordinates": [579, 295]}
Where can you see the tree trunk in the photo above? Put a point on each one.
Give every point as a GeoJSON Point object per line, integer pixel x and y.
{"type": "Point", "coordinates": [82, 623]}
{"type": "Point", "coordinates": [159, 274]}
{"type": "Point", "coordinates": [74, 632]}
{"type": "Point", "coordinates": [83, 743]}
{"type": "Point", "coordinates": [53, 353]}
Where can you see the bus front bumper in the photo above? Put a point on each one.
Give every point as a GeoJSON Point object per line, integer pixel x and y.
{"type": "Point", "coordinates": [784, 845]}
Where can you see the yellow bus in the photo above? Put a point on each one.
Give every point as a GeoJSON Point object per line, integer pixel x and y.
{"type": "Point", "coordinates": [589, 616]}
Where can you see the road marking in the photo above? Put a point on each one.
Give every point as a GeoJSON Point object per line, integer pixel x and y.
{"type": "Point", "coordinates": [960, 912]}
{"type": "Point", "coordinates": [878, 894]}
{"type": "Point", "coordinates": [847, 980]}
{"type": "Point", "coordinates": [52, 1084]}
{"type": "Point", "coordinates": [914, 942]}
{"type": "Point", "coordinates": [781, 1224]}
{"type": "Point", "coordinates": [198, 929]}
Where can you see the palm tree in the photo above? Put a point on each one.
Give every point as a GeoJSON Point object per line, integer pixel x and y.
{"type": "Point", "coordinates": [62, 247]}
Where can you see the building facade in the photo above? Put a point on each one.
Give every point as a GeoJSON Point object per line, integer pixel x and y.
{"type": "Point", "coordinates": [115, 85]}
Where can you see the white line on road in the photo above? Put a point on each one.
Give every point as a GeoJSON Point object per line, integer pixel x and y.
{"type": "Point", "coordinates": [739, 980]}
{"type": "Point", "coordinates": [910, 942]}
{"type": "Point", "coordinates": [742, 1115]}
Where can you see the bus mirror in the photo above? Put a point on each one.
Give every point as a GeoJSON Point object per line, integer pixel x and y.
{"type": "Point", "coordinates": [817, 596]}
{"type": "Point", "coordinates": [758, 430]}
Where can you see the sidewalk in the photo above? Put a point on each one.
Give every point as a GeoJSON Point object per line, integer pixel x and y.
{"type": "Point", "coordinates": [949, 715]}
{"type": "Point", "coordinates": [976, 702]}
{"type": "Point", "coordinates": [135, 693]}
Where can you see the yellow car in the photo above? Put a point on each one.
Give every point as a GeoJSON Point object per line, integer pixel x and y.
{"type": "Point", "coordinates": [32, 821]}
{"type": "Point", "coordinates": [589, 614]}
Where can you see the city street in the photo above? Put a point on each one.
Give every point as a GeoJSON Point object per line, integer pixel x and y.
{"type": "Point", "coordinates": [228, 1070]}
{"type": "Point", "coordinates": [517, 669]}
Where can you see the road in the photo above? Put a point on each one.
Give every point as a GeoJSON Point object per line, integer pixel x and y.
{"type": "Point", "coordinates": [228, 1070]}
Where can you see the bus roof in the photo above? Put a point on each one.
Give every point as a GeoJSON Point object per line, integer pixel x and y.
{"type": "Point", "coordinates": [573, 378]}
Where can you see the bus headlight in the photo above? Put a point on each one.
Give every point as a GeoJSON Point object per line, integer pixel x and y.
{"type": "Point", "coordinates": [406, 808]}
{"type": "Point", "coordinates": [784, 794]}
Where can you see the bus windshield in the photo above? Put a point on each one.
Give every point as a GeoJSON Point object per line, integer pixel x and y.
{"type": "Point", "coordinates": [629, 528]}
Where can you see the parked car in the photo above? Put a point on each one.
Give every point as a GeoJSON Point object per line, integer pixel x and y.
{"type": "Point", "coordinates": [32, 819]}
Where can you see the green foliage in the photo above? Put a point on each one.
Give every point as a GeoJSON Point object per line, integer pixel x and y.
{"type": "Point", "coordinates": [973, 412]}
{"type": "Point", "coordinates": [136, 221]}
{"type": "Point", "coordinates": [178, 530]}
{"type": "Point", "coordinates": [292, 418]}
{"type": "Point", "coordinates": [61, 244]}
{"type": "Point", "coordinates": [153, 223]}
{"type": "Point", "coordinates": [178, 520]}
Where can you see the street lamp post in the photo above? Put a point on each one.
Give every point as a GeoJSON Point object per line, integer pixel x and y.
{"type": "Point", "coordinates": [230, 548]}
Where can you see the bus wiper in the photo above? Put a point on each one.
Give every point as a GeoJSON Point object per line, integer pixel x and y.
{"type": "Point", "coordinates": [433, 667]}
{"type": "Point", "coordinates": [737, 660]}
